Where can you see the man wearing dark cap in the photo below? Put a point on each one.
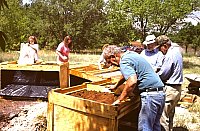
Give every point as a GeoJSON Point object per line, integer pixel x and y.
{"type": "Point", "coordinates": [172, 76]}
{"type": "Point", "coordinates": [138, 74]}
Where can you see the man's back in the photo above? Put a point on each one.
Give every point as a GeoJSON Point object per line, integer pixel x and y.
{"type": "Point", "coordinates": [132, 63]}
{"type": "Point", "coordinates": [171, 71]}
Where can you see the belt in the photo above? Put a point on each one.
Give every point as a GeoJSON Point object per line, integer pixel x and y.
{"type": "Point", "coordinates": [172, 84]}
{"type": "Point", "coordinates": [151, 89]}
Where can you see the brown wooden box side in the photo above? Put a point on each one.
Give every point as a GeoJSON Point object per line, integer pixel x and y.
{"type": "Point", "coordinates": [83, 105]}
{"type": "Point", "coordinates": [87, 113]}
{"type": "Point", "coordinates": [62, 69]}
{"type": "Point", "coordinates": [74, 114]}
{"type": "Point", "coordinates": [74, 120]}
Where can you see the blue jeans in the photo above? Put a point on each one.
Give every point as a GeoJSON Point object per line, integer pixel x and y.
{"type": "Point", "coordinates": [151, 110]}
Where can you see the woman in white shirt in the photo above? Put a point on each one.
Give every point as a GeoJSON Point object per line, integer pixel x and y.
{"type": "Point", "coordinates": [29, 51]}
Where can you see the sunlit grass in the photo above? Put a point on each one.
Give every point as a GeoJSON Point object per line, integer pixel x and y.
{"type": "Point", "coordinates": [191, 63]}
{"type": "Point", "coordinates": [47, 55]}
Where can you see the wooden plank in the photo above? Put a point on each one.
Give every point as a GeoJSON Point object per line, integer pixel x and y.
{"type": "Point", "coordinates": [64, 75]}
{"type": "Point", "coordinates": [70, 89]}
{"type": "Point", "coordinates": [95, 72]}
{"type": "Point", "coordinates": [82, 86]}
{"type": "Point", "coordinates": [85, 76]}
{"type": "Point", "coordinates": [31, 67]}
{"type": "Point", "coordinates": [50, 113]}
{"type": "Point", "coordinates": [8, 62]}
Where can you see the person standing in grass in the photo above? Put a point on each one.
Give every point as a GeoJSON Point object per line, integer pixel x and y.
{"type": "Point", "coordinates": [172, 75]}
{"type": "Point", "coordinates": [63, 50]}
{"type": "Point", "coordinates": [137, 74]}
{"type": "Point", "coordinates": [29, 51]}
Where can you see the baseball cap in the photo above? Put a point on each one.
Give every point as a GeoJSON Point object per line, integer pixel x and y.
{"type": "Point", "coordinates": [162, 39]}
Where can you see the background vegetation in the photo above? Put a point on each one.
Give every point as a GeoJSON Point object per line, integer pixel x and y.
{"type": "Point", "coordinates": [92, 23]}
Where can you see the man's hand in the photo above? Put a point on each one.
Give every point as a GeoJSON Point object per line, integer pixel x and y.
{"type": "Point", "coordinates": [117, 102]}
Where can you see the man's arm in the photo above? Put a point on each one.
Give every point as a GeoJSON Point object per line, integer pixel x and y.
{"type": "Point", "coordinates": [129, 87]}
{"type": "Point", "coordinates": [120, 82]}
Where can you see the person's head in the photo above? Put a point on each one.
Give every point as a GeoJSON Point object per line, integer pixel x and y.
{"type": "Point", "coordinates": [32, 40]}
{"type": "Point", "coordinates": [150, 42]}
{"type": "Point", "coordinates": [104, 46]}
{"type": "Point", "coordinates": [112, 54]}
{"type": "Point", "coordinates": [164, 43]}
{"type": "Point", "coordinates": [68, 41]}
{"type": "Point", "coordinates": [136, 46]}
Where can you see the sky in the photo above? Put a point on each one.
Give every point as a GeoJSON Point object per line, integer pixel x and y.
{"type": "Point", "coordinates": [190, 18]}
{"type": "Point", "coordinates": [193, 19]}
{"type": "Point", "coordinates": [26, 1]}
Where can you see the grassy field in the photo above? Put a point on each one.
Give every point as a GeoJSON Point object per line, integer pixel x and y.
{"type": "Point", "coordinates": [191, 63]}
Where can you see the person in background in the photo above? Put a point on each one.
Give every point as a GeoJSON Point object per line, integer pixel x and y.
{"type": "Point", "coordinates": [63, 50]}
{"type": "Point", "coordinates": [137, 74]}
{"type": "Point", "coordinates": [172, 75]}
{"type": "Point", "coordinates": [101, 58]}
{"type": "Point", "coordinates": [152, 53]}
{"type": "Point", "coordinates": [136, 46]}
{"type": "Point", "coordinates": [29, 51]}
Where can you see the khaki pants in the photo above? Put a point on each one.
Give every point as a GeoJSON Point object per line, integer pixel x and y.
{"type": "Point", "coordinates": [173, 94]}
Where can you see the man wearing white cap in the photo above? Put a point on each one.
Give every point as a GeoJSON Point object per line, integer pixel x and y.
{"type": "Point", "coordinates": [152, 53]}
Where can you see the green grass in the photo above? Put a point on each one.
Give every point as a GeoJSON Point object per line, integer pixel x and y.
{"type": "Point", "coordinates": [191, 64]}
{"type": "Point", "coordinates": [47, 55]}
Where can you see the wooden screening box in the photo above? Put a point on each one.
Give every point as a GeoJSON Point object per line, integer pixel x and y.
{"type": "Point", "coordinates": [92, 73]}
{"type": "Point", "coordinates": [63, 70]}
{"type": "Point", "coordinates": [69, 113]}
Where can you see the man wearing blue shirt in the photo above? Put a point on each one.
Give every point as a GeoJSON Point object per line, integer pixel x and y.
{"type": "Point", "coordinates": [172, 75]}
{"type": "Point", "coordinates": [138, 75]}
{"type": "Point", "coordinates": [152, 53]}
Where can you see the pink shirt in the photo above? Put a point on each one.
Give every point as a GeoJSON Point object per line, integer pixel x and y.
{"type": "Point", "coordinates": [64, 51]}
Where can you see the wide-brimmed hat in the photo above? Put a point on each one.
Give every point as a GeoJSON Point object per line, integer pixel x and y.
{"type": "Point", "coordinates": [149, 39]}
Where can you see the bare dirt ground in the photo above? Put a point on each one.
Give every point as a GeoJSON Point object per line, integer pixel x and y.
{"type": "Point", "coordinates": [10, 109]}
{"type": "Point", "coordinates": [29, 115]}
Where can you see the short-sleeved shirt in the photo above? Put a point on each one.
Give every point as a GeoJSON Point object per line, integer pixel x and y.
{"type": "Point", "coordinates": [64, 51]}
{"type": "Point", "coordinates": [154, 57]}
{"type": "Point", "coordinates": [132, 63]}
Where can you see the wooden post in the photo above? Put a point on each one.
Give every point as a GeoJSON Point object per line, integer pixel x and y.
{"type": "Point", "coordinates": [50, 113]}
{"type": "Point", "coordinates": [64, 75]}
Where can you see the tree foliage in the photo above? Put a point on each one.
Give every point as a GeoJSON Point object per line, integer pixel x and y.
{"type": "Point", "coordinates": [92, 23]}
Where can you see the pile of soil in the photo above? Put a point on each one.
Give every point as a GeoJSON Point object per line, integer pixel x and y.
{"type": "Point", "coordinates": [102, 97]}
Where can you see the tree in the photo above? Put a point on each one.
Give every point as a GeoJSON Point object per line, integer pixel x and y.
{"type": "Point", "coordinates": [156, 16]}
{"type": "Point", "coordinates": [3, 3]}
{"type": "Point", "coordinates": [3, 36]}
